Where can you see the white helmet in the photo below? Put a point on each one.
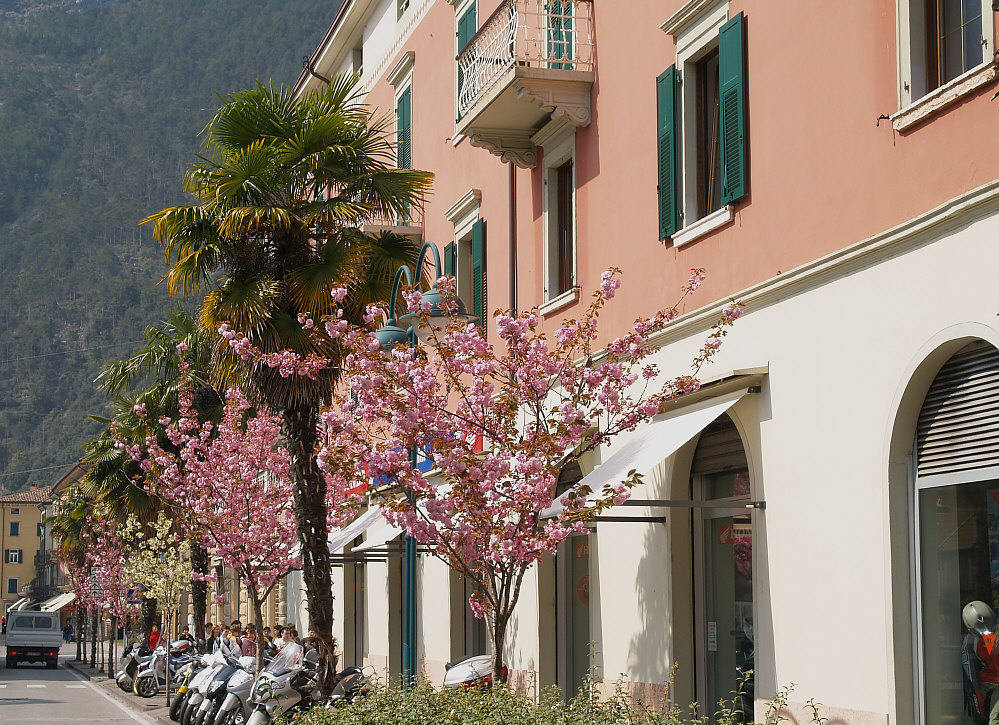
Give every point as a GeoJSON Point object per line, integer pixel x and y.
{"type": "Point", "coordinates": [979, 617]}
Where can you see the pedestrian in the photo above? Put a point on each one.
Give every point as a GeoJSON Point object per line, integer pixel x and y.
{"type": "Point", "coordinates": [67, 633]}
{"type": "Point", "coordinates": [186, 634]}
{"type": "Point", "coordinates": [154, 637]}
{"type": "Point", "coordinates": [249, 641]}
{"type": "Point", "coordinates": [212, 638]}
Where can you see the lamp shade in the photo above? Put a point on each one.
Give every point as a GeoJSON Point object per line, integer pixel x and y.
{"type": "Point", "coordinates": [390, 335]}
{"type": "Point", "coordinates": [437, 318]}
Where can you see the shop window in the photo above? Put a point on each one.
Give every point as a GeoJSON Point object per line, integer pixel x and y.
{"type": "Point", "coordinates": [956, 525]}
{"type": "Point", "coordinates": [941, 40]}
{"type": "Point", "coordinates": [723, 569]}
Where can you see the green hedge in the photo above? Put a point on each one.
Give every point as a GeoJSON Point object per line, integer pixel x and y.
{"type": "Point", "coordinates": [423, 705]}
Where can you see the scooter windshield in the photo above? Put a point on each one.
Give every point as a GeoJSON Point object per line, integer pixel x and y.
{"type": "Point", "coordinates": [287, 659]}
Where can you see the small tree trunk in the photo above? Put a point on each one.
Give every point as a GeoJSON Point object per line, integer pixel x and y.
{"type": "Point", "coordinates": [111, 633]}
{"type": "Point", "coordinates": [93, 638]}
{"type": "Point", "coordinates": [500, 621]}
{"type": "Point", "coordinates": [199, 590]}
{"type": "Point", "coordinates": [256, 601]}
{"type": "Point", "coordinates": [78, 632]}
{"type": "Point", "coordinates": [150, 615]}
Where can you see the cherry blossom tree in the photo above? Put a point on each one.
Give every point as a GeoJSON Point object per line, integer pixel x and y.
{"type": "Point", "coordinates": [498, 421]}
{"type": "Point", "coordinates": [230, 487]}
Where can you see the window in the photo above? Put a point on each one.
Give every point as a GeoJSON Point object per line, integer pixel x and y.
{"type": "Point", "coordinates": [404, 128]}
{"type": "Point", "coordinates": [41, 529]}
{"type": "Point", "coordinates": [465, 257]}
{"type": "Point", "coordinates": [402, 7]}
{"type": "Point", "coordinates": [12, 585]}
{"type": "Point", "coordinates": [15, 528]}
{"type": "Point", "coordinates": [955, 518]}
{"type": "Point", "coordinates": [939, 41]}
{"type": "Point", "coordinates": [15, 510]}
{"type": "Point", "coordinates": [559, 210]}
{"type": "Point", "coordinates": [701, 128]}
{"type": "Point", "coordinates": [13, 556]}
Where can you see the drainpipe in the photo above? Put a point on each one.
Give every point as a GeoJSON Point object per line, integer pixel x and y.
{"type": "Point", "coordinates": [307, 64]}
{"type": "Point", "coordinates": [513, 238]}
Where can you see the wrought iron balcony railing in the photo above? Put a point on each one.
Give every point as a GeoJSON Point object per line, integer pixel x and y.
{"type": "Point", "coordinates": [542, 34]}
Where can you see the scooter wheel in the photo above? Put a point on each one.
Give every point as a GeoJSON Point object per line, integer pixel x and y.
{"type": "Point", "coordinates": [186, 712]}
{"type": "Point", "coordinates": [126, 683]}
{"type": "Point", "coordinates": [176, 706]}
{"type": "Point", "coordinates": [229, 718]}
{"type": "Point", "coordinates": [145, 687]}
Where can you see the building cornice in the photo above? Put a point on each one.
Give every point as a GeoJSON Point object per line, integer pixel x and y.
{"type": "Point", "coordinates": [688, 15]}
{"type": "Point", "coordinates": [899, 239]}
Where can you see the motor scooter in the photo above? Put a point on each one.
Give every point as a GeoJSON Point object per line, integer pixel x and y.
{"type": "Point", "coordinates": [198, 689]}
{"type": "Point", "coordinates": [236, 707]}
{"type": "Point", "coordinates": [288, 682]}
{"type": "Point", "coordinates": [472, 671]}
{"type": "Point", "coordinates": [352, 683]}
{"type": "Point", "coordinates": [154, 674]}
{"type": "Point", "coordinates": [216, 691]}
{"type": "Point", "coordinates": [183, 688]}
{"type": "Point", "coordinates": [132, 660]}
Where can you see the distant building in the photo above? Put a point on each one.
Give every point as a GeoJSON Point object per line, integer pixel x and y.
{"type": "Point", "coordinates": [23, 543]}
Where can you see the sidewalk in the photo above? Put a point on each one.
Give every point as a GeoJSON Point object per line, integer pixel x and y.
{"type": "Point", "coordinates": [153, 707]}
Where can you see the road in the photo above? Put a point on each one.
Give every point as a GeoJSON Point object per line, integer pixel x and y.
{"type": "Point", "coordinates": [31, 693]}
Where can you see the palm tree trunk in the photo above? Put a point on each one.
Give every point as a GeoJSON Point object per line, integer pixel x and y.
{"type": "Point", "coordinates": [313, 531]}
{"type": "Point", "coordinates": [199, 590]}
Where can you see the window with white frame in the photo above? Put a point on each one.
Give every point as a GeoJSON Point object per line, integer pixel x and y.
{"type": "Point", "coordinates": [14, 556]}
{"type": "Point", "coordinates": [939, 41]}
{"type": "Point", "coordinates": [701, 125]}
{"type": "Point", "coordinates": [15, 510]}
{"type": "Point", "coordinates": [464, 258]}
{"type": "Point", "coordinates": [12, 585]}
{"type": "Point", "coordinates": [558, 174]}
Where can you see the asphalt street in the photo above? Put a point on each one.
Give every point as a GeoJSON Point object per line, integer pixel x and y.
{"type": "Point", "coordinates": [31, 693]}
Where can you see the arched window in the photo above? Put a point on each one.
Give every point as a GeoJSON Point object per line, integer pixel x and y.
{"type": "Point", "coordinates": [723, 567]}
{"type": "Point", "coordinates": [956, 522]}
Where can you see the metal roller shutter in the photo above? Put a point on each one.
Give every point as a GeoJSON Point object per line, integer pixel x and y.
{"type": "Point", "coordinates": [958, 428]}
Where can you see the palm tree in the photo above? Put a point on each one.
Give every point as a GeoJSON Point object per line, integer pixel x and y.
{"type": "Point", "coordinates": [282, 193]}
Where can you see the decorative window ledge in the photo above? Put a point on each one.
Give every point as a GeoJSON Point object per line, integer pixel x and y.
{"type": "Point", "coordinates": [558, 303]}
{"type": "Point", "coordinates": [704, 226]}
{"type": "Point", "coordinates": [942, 97]}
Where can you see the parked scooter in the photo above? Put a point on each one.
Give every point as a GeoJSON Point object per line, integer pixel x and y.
{"type": "Point", "coordinates": [236, 707]}
{"type": "Point", "coordinates": [473, 671]}
{"type": "Point", "coordinates": [216, 692]}
{"type": "Point", "coordinates": [154, 674]}
{"type": "Point", "coordinates": [198, 689]}
{"type": "Point", "coordinates": [289, 682]}
{"type": "Point", "coordinates": [132, 660]}
{"type": "Point", "coordinates": [352, 683]}
{"type": "Point", "coordinates": [187, 674]}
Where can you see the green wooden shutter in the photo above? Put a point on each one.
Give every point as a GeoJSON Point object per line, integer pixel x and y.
{"type": "Point", "coordinates": [560, 33]}
{"type": "Point", "coordinates": [467, 25]}
{"type": "Point", "coordinates": [404, 112]}
{"type": "Point", "coordinates": [669, 211]}
{"type": "Point", "coordinates": [731, 83]}
{"type": "Point", "coordinates": [450, 257]}
{"type": "Point", "coordinates": [479, 271]}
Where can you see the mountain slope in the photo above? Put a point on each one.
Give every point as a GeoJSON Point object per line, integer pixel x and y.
{"type": "Point", "coordinates": [101, 103]}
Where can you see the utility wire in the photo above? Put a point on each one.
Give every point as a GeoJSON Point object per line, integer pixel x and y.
{"type": "Point", "coordinates": [70, 352]}
{"type": "Point", "coordinates": [33, 470]}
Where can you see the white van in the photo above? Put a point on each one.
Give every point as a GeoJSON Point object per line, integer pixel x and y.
{"type": "Point", "coordinates": [33, 637]}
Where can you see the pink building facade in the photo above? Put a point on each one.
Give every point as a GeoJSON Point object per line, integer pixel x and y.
{"type": "Point", "coordinates": [836, 168]}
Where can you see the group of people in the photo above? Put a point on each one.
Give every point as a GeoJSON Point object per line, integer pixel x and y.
{"type": "Point", "coordinates": [236, 640]}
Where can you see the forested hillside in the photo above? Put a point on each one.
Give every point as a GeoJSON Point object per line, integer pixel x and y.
{"type": "Point", "coordinates": [101, 103]}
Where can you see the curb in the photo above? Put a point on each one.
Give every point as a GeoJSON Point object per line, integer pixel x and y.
{"type": "Point", "coordinates": [157, 712]}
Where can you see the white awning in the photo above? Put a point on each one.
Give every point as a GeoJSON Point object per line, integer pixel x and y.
{"type": "Point", "coordinates": [56, 603]}
{"type": "Point", "coordinates": [355, 528]}
{"type": "Point", "coordinates": [14, 607]}
{"type": "Point", "coordinates": [650, 445]}
{"type": "Point", "coordinates": [379, 537]}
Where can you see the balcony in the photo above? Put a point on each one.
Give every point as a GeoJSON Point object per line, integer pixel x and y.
{"type": "Point", "coordinates": [409, 226]}
{"type": "Point", "coordinates": [530, 64]}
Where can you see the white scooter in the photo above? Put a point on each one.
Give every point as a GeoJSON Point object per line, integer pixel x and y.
{"type": "Point", "coordinates": [198, 687]}
{"type": "Point", "coordinates": [288, 682]}
{"type": "Point", "coordinates": [474, 671]}
{"type": "Point", "coordinates": [236, 707]}
{"type": "Point", "coordinates": [160, 666]}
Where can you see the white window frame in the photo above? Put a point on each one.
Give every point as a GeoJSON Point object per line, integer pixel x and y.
{"type": "Point", "coordinates": [463, 214]}
{"type": "Point", "coordinates": [15, 510]}
{"type": "Point", "coordinates": [910, 43]}
{"type": "Point", "coordinates": [558, 142]}
{"type": "Point", "coordinates": [14, 556]}
{"type": "Point", "coordinates": [696, 39]}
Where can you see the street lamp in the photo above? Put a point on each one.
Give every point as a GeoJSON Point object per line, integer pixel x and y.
{"type": "Point", "coordinates": [411, 328]}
